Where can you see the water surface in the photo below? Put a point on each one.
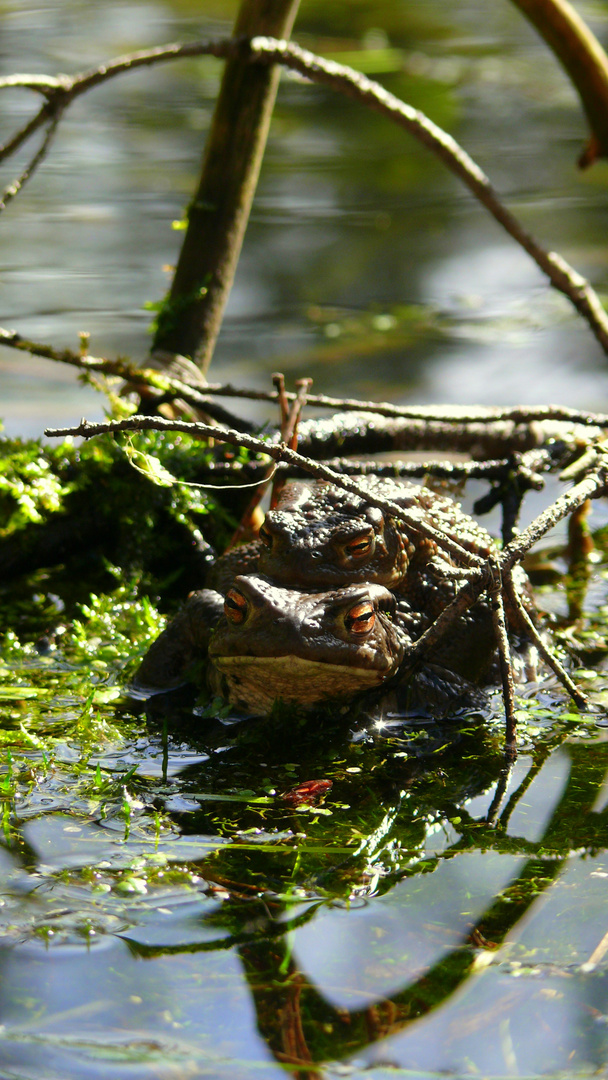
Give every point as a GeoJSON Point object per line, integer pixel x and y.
{"type": "Point", "coordinates": [163, 910]}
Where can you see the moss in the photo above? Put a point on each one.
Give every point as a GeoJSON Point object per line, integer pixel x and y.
{"type": "Point", "coordinates": [68, 514]}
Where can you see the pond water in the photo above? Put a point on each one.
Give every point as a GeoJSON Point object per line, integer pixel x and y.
{"type": "Point", "coordinates": [164, 911]}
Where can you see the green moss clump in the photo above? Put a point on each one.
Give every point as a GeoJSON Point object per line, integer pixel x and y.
{"type": "Point", "coordinates": [70, 515]}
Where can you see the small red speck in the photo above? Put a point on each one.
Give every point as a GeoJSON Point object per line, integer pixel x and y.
{"type": "Point", "coordinates": [310, 791]}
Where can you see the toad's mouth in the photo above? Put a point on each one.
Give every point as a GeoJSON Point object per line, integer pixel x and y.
{"type": "Point", "coordinates": [257, 681]}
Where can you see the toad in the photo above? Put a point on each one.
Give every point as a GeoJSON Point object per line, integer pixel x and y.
{"type": "Point", "coordinates": [320, 536]}
{"type": "Point", "coordinates": [323, 606]}
{"type": "Point", "coordinates": [264, 642]}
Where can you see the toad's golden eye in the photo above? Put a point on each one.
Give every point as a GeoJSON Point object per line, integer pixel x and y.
{"type": "Point", "coordinates": [361, 618]}
{"type": "Point", "coordinates": [265, 536]}
{"type": "Point", "coordinates": [235, 606]}
{"type": "Point", "coordinates": [359, 548]}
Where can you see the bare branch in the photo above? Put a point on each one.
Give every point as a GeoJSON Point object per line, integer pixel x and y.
{"type": "Point", "coordinates": [166, 386]}
{"type": "Point", "coordinates": [22, 135]}
{"type": "Point", "coordinates": [530, 630]}
{"type": "Point", "coordinates": [277, 453]}
{"type": "Point", "coordinates": [14, 188]}
{"type": "Point", "coordinates": [581, 54]}
{"type": "Point", "coordinates": [464, 598]}
{"type": "Point", "coordinates": [64, 88]}
{"type": "Point", "coordinates": [504, 654]}
{"type": "Point", "coordinates": [44, 84]}
{"type": "Point", "coordinates": [561, 275]}
{"type": "Point", "coordinates": [590, 487]}
{"type": "Point", "coordinates": [456, 415]}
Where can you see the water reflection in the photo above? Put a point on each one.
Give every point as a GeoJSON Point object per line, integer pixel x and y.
{"type": "Point", "coordinates": [352, 938]}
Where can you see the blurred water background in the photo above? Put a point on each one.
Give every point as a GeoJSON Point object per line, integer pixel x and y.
{"type": "Point", "coordinates": [365, 265]}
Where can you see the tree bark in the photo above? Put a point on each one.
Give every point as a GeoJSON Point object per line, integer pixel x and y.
{"type": "Point", "coordinates": [190, 319]}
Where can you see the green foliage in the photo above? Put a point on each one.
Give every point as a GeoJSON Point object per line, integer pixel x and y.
{"type": "Point", "coordinates": [33, 483]}
{"type": "Point", "coordinates": [70, 514]}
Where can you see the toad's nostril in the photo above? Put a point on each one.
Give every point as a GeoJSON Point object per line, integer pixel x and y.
{"type": "Point", "coordinates": [266, 536]}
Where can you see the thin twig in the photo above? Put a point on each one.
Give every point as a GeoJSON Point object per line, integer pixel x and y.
{"type": "Point", "coordinates": [590, 487]}
{"type": "Point", "coordinates": [437, 413]}
{"type": "Point", "coordinates": [463, 600]}
{"type": "Point", "coordinates": [279, 453]}
{"type": "Point", "coordinates": [65, 88]}
{"type": "Point", "coordinates": [289, 433]}
{"type": "Point", "coordinates": [504, 654]}
{"type": "Point", "coordinates": [526, 464]}
{"type": "Point", "coordinates": [23, 134]}
{"type": "Point", "coordinates": [278, 381]}
{"type": "Point", "coordinates": [530, 630]}
{"type": "Point", "coordinates": [288, 425]}
{"type": "Point", "coordinates": [167, 385]}
{"type": "Point", "coordinates": [16, 186]}
{"type": "Point", "coordinates": [561, 275]}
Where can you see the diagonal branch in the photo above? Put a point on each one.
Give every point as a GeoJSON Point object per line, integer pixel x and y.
{"type": "Point", "coordinates": [277, 453]}
{"type": "Point", "coordinates": [561, 275]}
{"type": "Point", "coordinates": [530, 630]}
{"type": "Point", "coordinates": [593, 485]}
{"type": "Point", "coordinates": [16, 186]}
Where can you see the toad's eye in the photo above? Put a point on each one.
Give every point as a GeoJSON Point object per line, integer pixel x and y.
{"type": "Point", "coordinates": [361, 618]}
{"type": "Point", "coordinates": [235, 607]}
{"type": "Point", "coordinates": [265, 536]}
{"type": "Point", "coordinates": [360, 547]}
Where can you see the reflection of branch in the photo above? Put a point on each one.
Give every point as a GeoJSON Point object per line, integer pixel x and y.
{"type": "Point", "coordinates": [367, 92]}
